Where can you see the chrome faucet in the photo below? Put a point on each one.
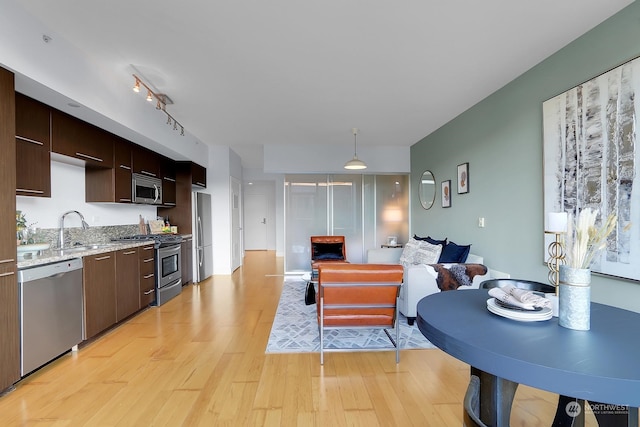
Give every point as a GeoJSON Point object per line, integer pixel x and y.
{"type": "Point", "coordinates": [61, 237]}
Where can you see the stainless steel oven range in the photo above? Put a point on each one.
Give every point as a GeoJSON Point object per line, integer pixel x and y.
{"type": "Point", "coordinates": [167, 264]}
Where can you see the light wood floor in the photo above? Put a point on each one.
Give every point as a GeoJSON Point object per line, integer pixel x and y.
{"type": "Point", "coordinates": [200, 360]}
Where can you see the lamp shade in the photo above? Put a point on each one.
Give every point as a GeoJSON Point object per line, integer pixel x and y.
{"type": "Point", "coordinates": [557, 222]}
{"type": "Point", "coordinates": [355, 164]}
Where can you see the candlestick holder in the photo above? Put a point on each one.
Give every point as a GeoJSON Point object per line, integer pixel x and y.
{"type": "Point", "coordinates": [556, 259]}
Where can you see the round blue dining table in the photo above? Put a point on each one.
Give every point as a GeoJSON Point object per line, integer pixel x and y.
{"type": "Point", "coordinates": [598, 365]}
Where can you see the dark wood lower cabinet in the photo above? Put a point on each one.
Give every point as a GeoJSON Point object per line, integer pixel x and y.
{"type": "Point", "coordinates": [99, 283]}
{"type": "Point", "coordinates": [127, 283]}
{"type": "Point", "coordinates": [147, 275]}
{"type": "Point", "coordinates": [187, 261]}
{"type": "Point", "coordinates": [9, 331]}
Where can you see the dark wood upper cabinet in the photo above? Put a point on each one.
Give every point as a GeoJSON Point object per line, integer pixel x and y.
{"type": "Point", "coordinates": [198, 175]}
{"type": "Point", "coordinates": [146, 162]}
{"type": "Point", "coordinates": [114, 184]}
{"type": "Point", "coordinates": [74, 138]}
{"type": "Point", "coordinates": [33, 147]}
{"type": "Point", "coordinates": [168, 176]}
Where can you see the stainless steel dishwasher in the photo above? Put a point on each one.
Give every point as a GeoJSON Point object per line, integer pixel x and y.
{"type": "Point", "coordinates": [51, 317]}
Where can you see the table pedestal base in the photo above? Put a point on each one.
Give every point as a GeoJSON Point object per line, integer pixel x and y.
{"type": "Point", "coordinates": [496, 398]}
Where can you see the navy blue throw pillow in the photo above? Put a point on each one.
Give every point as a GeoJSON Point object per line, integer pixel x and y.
{"type": "Point", "coordinates": [326, 251]}
{"type": "Point", "coordinates": [454, 253]}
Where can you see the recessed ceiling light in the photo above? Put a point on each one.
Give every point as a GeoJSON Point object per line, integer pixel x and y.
{"type": "Point", "coordinates": [73, 104]}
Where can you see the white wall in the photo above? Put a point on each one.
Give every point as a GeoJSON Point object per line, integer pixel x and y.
{"type": "Point", "coordinates": [331, 159]}
{"type": "Point", "coordinates": [67, 193]}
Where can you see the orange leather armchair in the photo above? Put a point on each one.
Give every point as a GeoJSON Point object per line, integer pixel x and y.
{"type": "Point", "coordinates": [329, 249]}
{"type": "Point", "coordinates": [354, 296]}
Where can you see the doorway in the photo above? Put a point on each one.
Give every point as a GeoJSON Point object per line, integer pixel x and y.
{"type": "Point", "coordinates": [255, 229]}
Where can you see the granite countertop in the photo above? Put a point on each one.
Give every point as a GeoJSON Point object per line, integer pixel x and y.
{"type": "Point", "coordinates": [52, 255]}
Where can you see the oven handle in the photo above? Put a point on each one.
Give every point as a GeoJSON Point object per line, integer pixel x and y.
{"type": "Point", "coordinates": [172, 285]}
{"type": "Point", "coordinates": [169, 250]}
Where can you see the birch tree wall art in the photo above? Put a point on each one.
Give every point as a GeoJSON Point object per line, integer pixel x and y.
{"type": "Point", "coordinates": [591, 159]}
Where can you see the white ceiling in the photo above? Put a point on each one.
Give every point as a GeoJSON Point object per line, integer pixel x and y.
{"type": "Point", "coordinates": [249, 73]}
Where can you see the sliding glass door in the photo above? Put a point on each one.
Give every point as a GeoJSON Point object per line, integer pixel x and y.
{"type": "Point", "coordinates": [366, 209]}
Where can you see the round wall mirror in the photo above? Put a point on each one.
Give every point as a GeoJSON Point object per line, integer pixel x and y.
{"type": "Point", "coordinates": [427, 189]}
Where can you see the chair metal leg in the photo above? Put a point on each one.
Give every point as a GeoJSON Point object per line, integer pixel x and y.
{"type": "Point", "coordinates": [321, 330]}
{"type": "Point", "coordinates": [397, 334]}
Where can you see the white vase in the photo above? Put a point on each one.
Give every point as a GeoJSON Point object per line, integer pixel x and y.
{"type": "Point", "coordinates": [574, 298]}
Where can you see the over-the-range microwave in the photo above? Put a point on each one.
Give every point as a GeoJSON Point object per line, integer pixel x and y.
{"type": "Point", "coordinates": [146, 189]}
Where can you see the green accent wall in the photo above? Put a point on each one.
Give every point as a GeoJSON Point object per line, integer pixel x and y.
{"type": "Point", "coordinates": [501, 138]}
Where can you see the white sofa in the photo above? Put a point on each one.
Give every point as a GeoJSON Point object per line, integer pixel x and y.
{"type": "Point", "coordinates": [418, 282]}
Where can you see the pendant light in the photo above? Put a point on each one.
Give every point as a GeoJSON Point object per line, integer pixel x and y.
{"type": "Point", "coordinates": [355, 163]}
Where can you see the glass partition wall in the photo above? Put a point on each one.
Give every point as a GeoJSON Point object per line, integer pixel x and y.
{"type": "Point", "coordinates": [366, 209]}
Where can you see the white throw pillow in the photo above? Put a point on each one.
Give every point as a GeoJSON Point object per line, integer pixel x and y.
{"type": "Point", "coordinates": [408, 252]}
{"type": "Point", "coordinates": [420, 252]}
{"type": "Point", "coordinates": [427, 253]}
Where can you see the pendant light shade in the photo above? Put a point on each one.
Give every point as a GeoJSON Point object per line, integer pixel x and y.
{"type": "Point", "coordinates": [355, 163]}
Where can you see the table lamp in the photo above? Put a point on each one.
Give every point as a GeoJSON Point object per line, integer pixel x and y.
{"type": "Point", "coordinates": [556, 225]}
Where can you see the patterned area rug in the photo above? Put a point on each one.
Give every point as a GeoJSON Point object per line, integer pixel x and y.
{"type": "Point", "coordinates": [295, 328]}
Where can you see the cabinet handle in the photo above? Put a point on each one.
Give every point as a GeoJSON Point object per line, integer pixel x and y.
{"type": "Point", "coordinates": [30, 141]}
{"type": "Point", "coordinates": [102, 258]}
{"type": "Point", "coordinates": [147, 248]}
{"type": "Point", "coordinates": [10, 273]}
{"type": "Point", "coordinates": [166, 178]}
{"type": "Point", "coordinates": [149, 292]}
{"type": "Point", "coordinates": [129, 253]}
{"type": "Point", "coordinates": [148, 260]}
{"type": "Point", "coordinates": [200, 184]}
{"type": "Point", "coordinates": [125, 200]}
{"type": "Point", "coordinates": [148, 276]}
{"type": "Point", "coordinates": [148, 173]}
{"type": "Point", "coordinates": [169, 204]}
{"type": "Point", "coordinates": [125, 167]}
{"type": "Point", "coordinates": [24, 190]}
{"type": "Point", "coordinates": [86, 156]}
{"type": "Point", "coordinates": [4, 261]}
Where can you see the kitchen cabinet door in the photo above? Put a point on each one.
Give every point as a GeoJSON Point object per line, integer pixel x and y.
{"type": "Point", "coordinates": [122, 166]}
{"type": "Point", "coordinates": [9, 320]}
{"type": "Point", "coordinates": [113, 184]}
{"type": "Point", "coordinates": [168, 175]}
{"type": "Point", "coordinates": [198, 175]}
{"type": "Point", "coordinates": [74, 138]}
{"type": "Point", "coordinates": [99, 283]}
{"type": "Point", "coordinates": [33, 147]}
{"type": "Point", "coordinates": [127, 283]}
{"type": "Point", "coordinates": [146, 162]}
{"type": "Point", "coordinates": [187, 260]}
{"type": "Point", "coordinates": [147, 275]}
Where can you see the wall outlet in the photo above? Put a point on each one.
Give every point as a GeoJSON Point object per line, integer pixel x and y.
{"type": "Point", "coordinates": [481, 222]}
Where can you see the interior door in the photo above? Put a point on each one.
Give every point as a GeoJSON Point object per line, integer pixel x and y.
{"type": "Point", "coordinates": [236, 224]}
{"type": "Point", "coordinates": [255, 227]}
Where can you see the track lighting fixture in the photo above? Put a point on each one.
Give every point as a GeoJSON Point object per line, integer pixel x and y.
{"type": "Point", "coordinates": [161, 102]}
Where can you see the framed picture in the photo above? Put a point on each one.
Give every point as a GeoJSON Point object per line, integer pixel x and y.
{"type": "Point", "coordinates": [463, 178]}
{"type": "Point", "coordinates": [446, 193]}
{"type": "Point", "coordinates": [591, 160]}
